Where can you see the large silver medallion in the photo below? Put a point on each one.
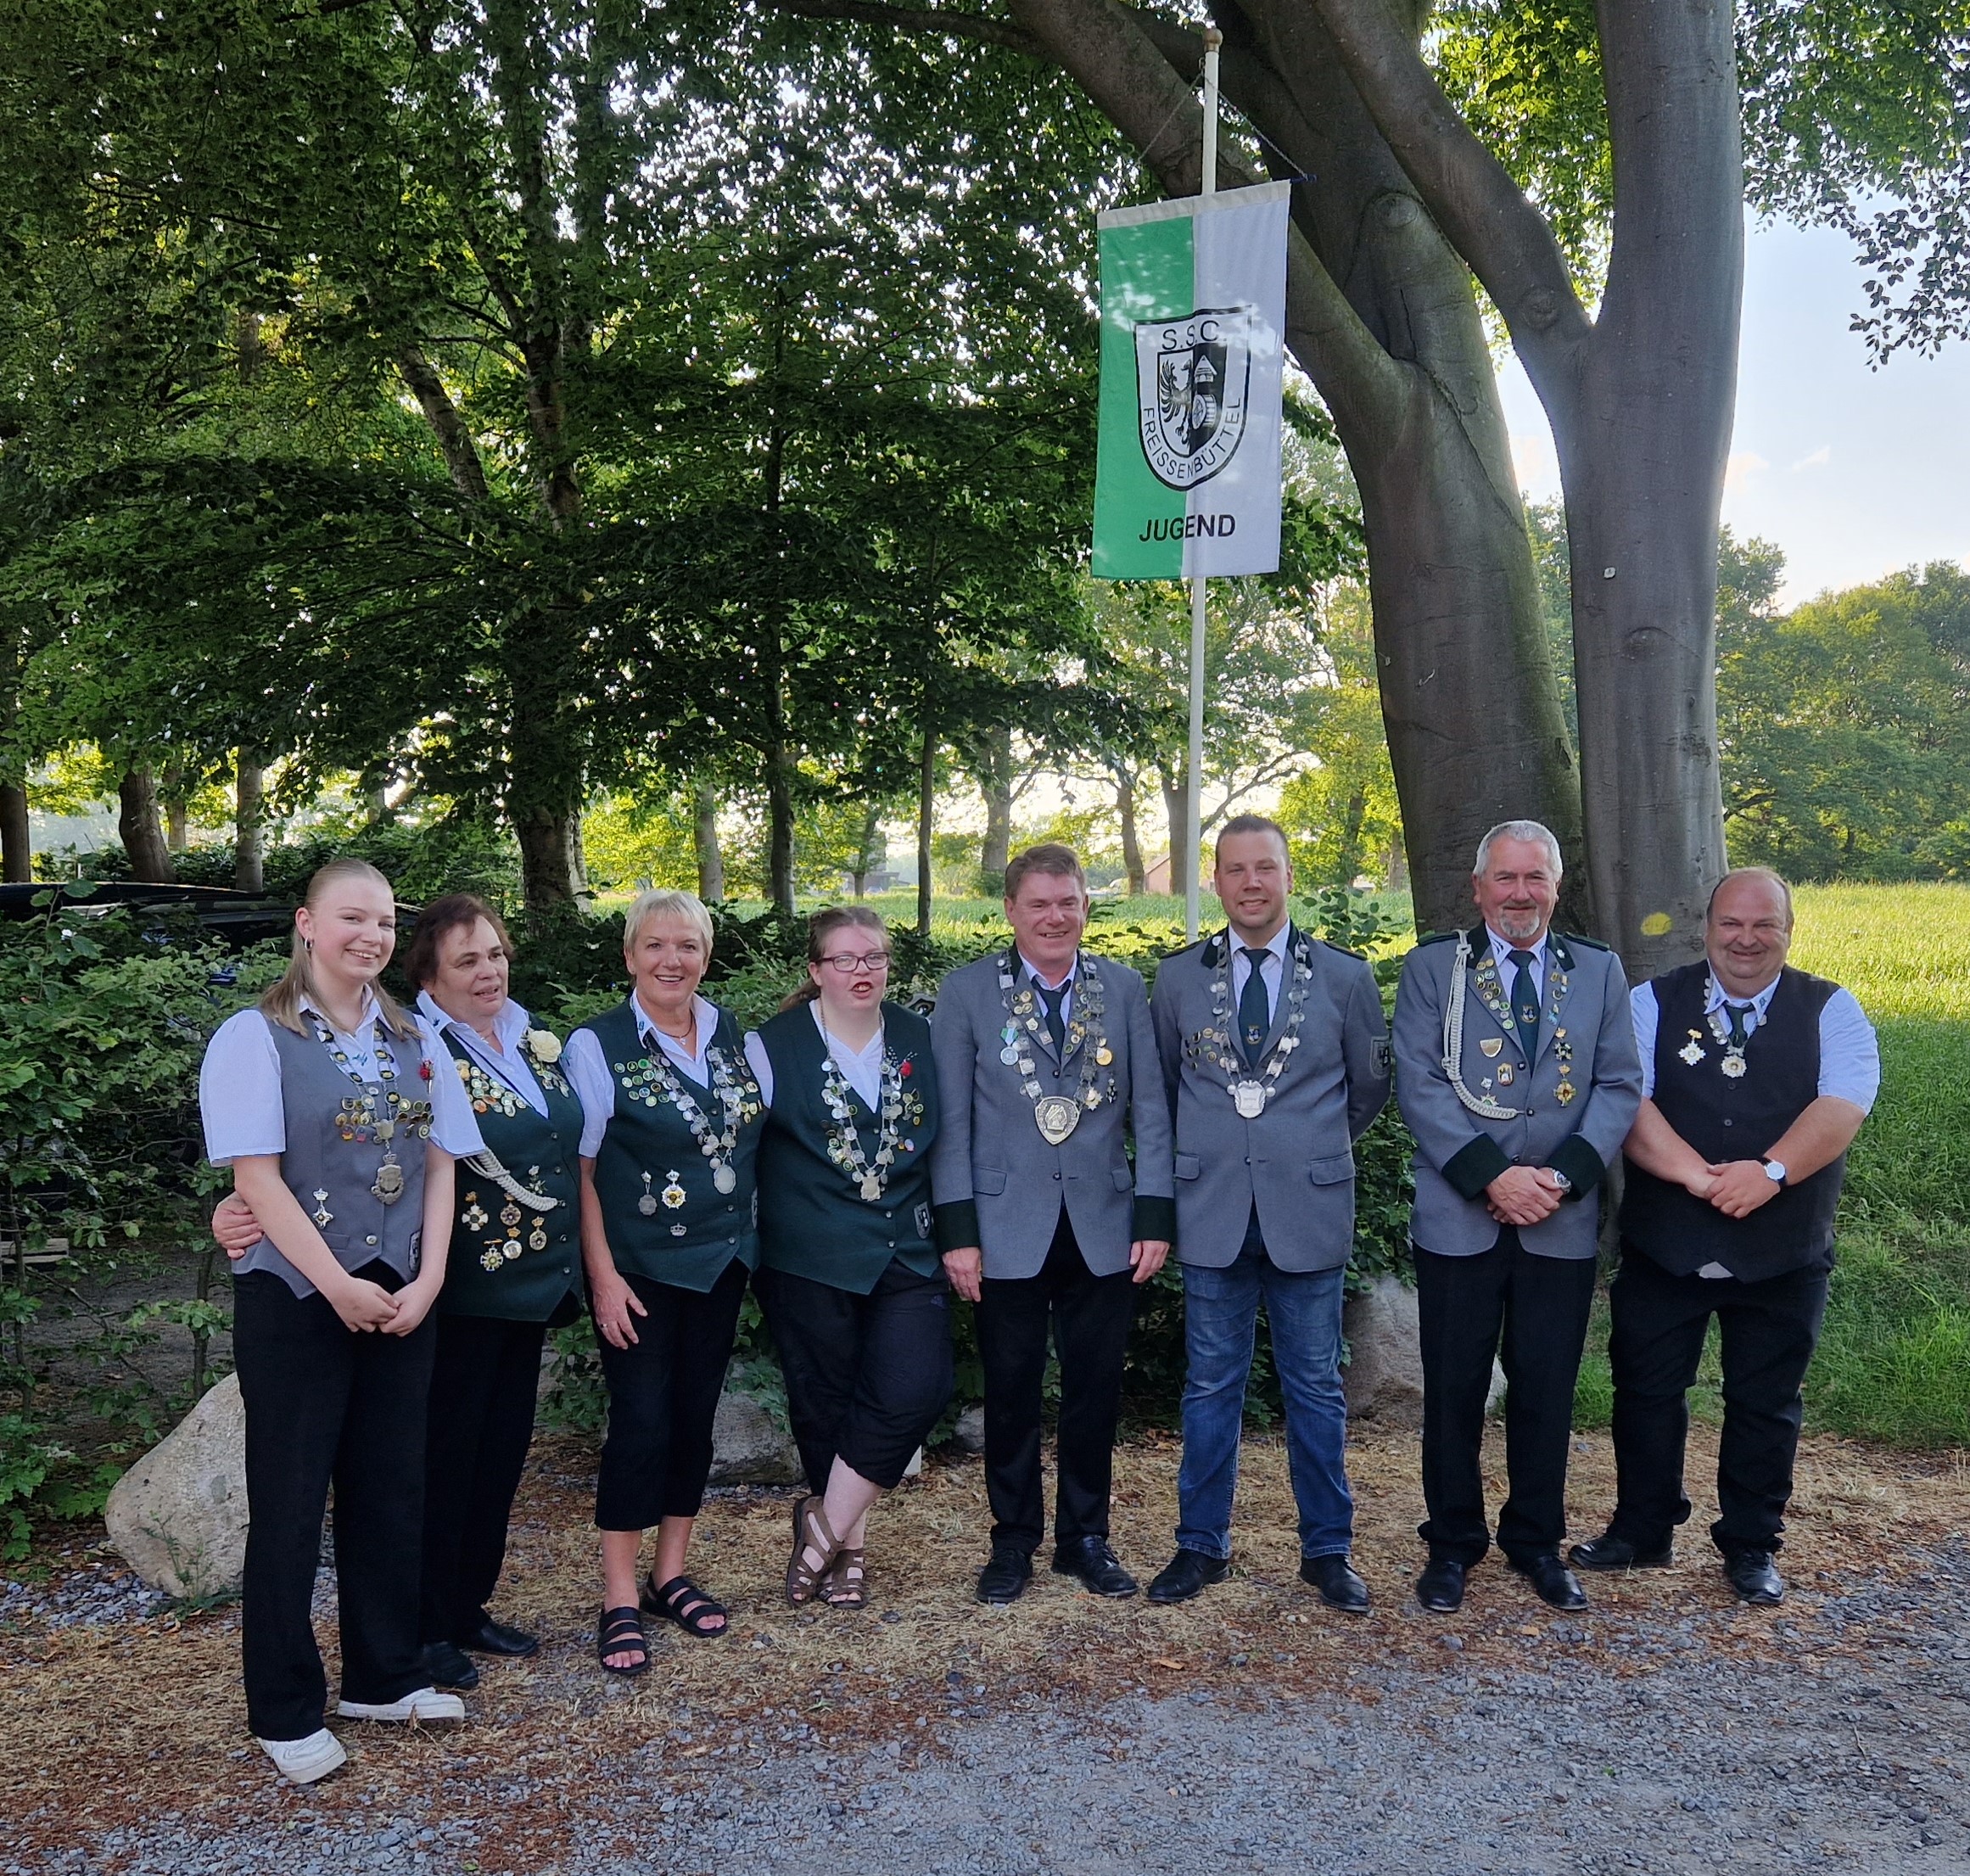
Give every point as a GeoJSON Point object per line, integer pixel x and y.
{"type": "Point", "coordinates": [1732, 1066]}
{"type": "Point", "coordinates": [1057, 1117]}
{"type": "Point", "coordinates": [724, 1177]}
{"type": "Point", "coordinates": [1249, 1099]}
{"type": "Point", "coordinates": [389, 1183]}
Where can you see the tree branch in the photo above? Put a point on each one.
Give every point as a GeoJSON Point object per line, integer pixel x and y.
{"type": "Point", "coordinates": [1503, 237]}
{"type": "Point", "coordinates": [927, 20]}
{"type": "Point", "coordinates": [454, 440]}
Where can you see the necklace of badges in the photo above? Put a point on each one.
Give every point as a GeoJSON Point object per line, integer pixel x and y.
{"type": "Point", "coordinates": [361, 1122]}
{"type": "Point", "coordinates": [897, 1103]}
{"type": "Point", "coordinates": [1056, 1116]}
{"type": "Point", "coordinates": [1251, 1087]}
{"type": "Point", "coordinates": [1732, 1062]}
{"type": "Point", "coordinates": [1491, 992]}
{"type": "Point", "coordinates": [652, 1081]}
{"type": "Point", "coordinates": [540, 1049]}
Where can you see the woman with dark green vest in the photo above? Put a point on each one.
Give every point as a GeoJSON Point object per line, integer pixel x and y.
{"type": "Point", "coordinates": [513, 1273]}
{"type": "Point", "coordinates": [669, 1232]}
{"type": "Point", "coordinates": [849, 1279]}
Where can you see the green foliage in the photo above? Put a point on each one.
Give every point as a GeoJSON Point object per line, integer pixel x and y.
{"type": "Point", "coordinates": [1845, 739]}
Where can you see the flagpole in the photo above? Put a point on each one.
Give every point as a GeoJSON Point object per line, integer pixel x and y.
{"type": "Point", "coordinates": [1193, 792]}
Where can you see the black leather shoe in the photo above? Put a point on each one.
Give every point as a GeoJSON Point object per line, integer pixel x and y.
{"type": "Point", "coordinates": [1186, 1575]}
{"type": "Point", "coordinates": [1441, 1586]}
{"type": "Point", "coordinates": [1756, 1577]}
{"type": "Point", "coordinates": [1555, 1583]}
{"type": "Point", "coordinates": [1008, 1573]}
{"type": "Point", "coordinates": [1609, 1552]}
{"type": "Point", "coordinates": [448, 1667]}
{"type": "Point", "coordinates": [491, 1637]}
{"type": "Point", "coordinates": [1097, 1566]}
{"type": "Point", "coordinates": [1339, 1585]}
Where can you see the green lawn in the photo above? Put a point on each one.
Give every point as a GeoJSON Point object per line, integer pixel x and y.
{"type": "Point", "coordinates": [1894, 1359]}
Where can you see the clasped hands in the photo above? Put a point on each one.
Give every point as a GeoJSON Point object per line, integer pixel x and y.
{"type": "Point", "coordinates": [358, 1302]}
{"type": "Point", "coordinates": [1736, 1188]}
{"type": "Point", "coordinates": [1524, 1194]}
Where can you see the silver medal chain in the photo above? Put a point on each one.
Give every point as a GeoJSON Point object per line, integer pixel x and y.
{"type": "Point", "coordinates": [1252, 1089]}
{"type": "Point", "coordinates": [360, 1119]}
{"type": "Point", "coordinates": [1057, 1116]}
{"type": "Point", "coordinates": [1734, 1063]}
{"type": "Point", "coordinates": [716, 1147]}
{"type": "Point", "coordinates": [870, 1178]}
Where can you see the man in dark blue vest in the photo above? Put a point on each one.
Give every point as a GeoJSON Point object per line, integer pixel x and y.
{"type": "Point", "coordinates": [1757, 1078]}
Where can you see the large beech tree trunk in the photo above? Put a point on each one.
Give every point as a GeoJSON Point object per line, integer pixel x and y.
{"type": "Point", "coordinates": [1640, 402]}
{"type": "Point", "coordinates": [1131, 839]}
{"type": "Point", "coordinates": [995, 784]}
{"type": "Point", "coordinates": [1382, 315]}
{"type": "Point", "coordinates": [136, 822]}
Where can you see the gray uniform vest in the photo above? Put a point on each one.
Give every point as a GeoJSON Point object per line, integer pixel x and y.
{"type": "Point", "coordinates": [331, 1174]}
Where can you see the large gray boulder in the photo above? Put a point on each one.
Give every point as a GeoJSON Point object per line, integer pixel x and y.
{"type": "Point", "coordinates": [749, 1446]}
{"type": "Point", "coordinates": [178, 1516]}
{"type": "Point", "coordinates": [1383, 1380]}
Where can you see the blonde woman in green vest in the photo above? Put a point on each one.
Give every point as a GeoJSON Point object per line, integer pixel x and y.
{"type": "Point", "coordinates": [849, 1279]}
{"type": "Point", "coordinates": [673, 1115]}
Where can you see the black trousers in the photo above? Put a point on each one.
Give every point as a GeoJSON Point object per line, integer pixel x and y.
{"type": "Point", "coordinates": [484, 1381]}
{"type": "Point", "coordinates": [326, 1404]}
{"type": "Point", "coordinates": [1769, 1331]}
{"type": "Point", "coordinates": [866, 1377]}
{"type": "Point", "coordinates": [663, 1395]}
{"type": "Point", "coordinates": [1532, 1314]}
{"type": "Point", "coordinates": [1090, 1318]}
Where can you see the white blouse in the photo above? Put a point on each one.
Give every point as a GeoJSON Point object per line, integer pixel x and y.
{"type": "Point", "coordinates": [505, 1063]}
{"type": "Point", "coordinates": [239, 1085]}
{"type": "Point", "coordinates": [861, 1068]}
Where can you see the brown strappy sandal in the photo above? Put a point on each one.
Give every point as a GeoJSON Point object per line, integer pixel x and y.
{"type": "Point", "coordinates": [843, 1587]}
{"type": "Point", "coordinates": [812, 1536]}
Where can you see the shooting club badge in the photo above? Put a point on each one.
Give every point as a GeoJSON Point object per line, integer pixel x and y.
{"type": "Point", "coordinates": [1192, 378]}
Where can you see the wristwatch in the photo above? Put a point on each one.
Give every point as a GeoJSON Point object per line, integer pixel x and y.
{"type": "Point", "coordinates": [1774, 1172]}
{"type": "Point", "coordinates": [1563, 1182]}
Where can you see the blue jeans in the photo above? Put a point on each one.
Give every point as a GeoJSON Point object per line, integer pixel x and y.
{"type": "Point", "coordinates": [1220, 1319]}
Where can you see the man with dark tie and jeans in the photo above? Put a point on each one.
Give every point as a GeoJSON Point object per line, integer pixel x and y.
{"type": "Point", "coordinates": [1756, 1078]}
{"type": "Point", "coordinates": [1517, 1073]}
{"type": "Point", "coordinates": [1276, 1058]}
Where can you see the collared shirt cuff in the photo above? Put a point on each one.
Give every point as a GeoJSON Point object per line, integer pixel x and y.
{"type": "Point", "coordinates": [1154, 1220]}
{"type": "Point", "coordinates": [1472, 1168]}
{"type": "Point", "coordinates": [956, 1225]}
{"type": "Point", "coordinates": [1581, 1163]}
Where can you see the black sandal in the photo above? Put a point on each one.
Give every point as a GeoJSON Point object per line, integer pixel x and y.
{"type": "Point", "coordinates": [681, 1601]}
{"type": "Point", "coordinates": [620, 1632]}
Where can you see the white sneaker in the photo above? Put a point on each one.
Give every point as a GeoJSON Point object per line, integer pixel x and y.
{"type": "Point", "coordinates": [425, 1707]}
{"type": "Point", "coordinates": [302, 1761]}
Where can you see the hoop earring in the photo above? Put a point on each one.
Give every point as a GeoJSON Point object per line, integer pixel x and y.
{"type": "Point", "coordinates": [308, 945]}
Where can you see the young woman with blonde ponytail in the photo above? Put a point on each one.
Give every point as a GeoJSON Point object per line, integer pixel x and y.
{"type": "Point", "coordinates": [341, 1118]}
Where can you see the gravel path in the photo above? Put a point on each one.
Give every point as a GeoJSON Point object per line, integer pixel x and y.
{"type": "Point", "coordinates": [1658, 1750]}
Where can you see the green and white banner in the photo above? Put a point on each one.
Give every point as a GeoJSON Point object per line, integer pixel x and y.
{"type": "Point", "coordinates": [1193, 315]}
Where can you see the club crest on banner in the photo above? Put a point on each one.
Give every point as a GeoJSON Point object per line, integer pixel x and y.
{"type": "Point", "coordinates": [1192, 378]}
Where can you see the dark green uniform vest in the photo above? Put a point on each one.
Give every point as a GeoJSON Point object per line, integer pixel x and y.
{"type": "Point", "coordinates": [813, 1221]}
{"type": "Point", "coordinates": [649, 1149]}
{"type": "Point", "coordinates": [506, 1259]}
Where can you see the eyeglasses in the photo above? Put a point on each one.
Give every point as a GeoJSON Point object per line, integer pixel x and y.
{"type": "Point", "coordinates": [876, 963]}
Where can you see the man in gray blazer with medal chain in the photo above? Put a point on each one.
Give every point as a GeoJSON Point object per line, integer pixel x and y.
{"type": "Point", "coordinates": [1276, 1060]}
{"type": "Point", "coordinates": [1517, 1072]}
{"type": "Point", "coordinates": [1045, 1061]}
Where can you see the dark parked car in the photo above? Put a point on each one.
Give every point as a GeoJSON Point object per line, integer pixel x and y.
{"type": "Point", "coordinates": [235, 919]}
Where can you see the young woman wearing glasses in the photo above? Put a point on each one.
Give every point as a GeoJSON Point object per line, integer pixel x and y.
{"type": "Point", "coordinates": [849, 1278]}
